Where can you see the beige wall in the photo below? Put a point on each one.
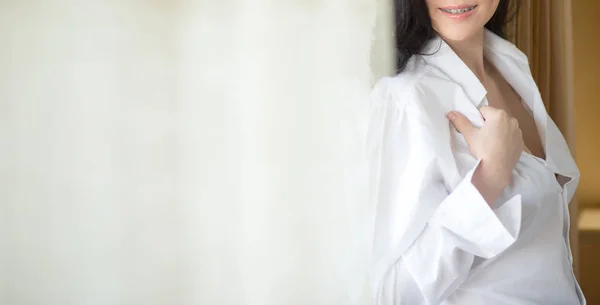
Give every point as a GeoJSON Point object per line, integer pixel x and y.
{"type": "Point", "coordinates": [586, 28]}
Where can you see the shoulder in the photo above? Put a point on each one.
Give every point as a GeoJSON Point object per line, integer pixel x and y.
{"type": "Point", "coordinates": [415, 100]}
{"type": "Point", "coordinates": [404, 88]}
{"type": "Point", "coordinates": [411, 99]}
{"type": "Point", "coordinates": [421, 89]}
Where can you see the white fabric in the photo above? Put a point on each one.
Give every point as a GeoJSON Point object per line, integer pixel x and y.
{"type": "Point", "coordinates": [436, 240]}
{"type": "Point", "coordinates": [186, 152]}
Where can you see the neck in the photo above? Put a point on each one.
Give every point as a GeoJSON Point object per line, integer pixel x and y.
{"type": "Point", "coordinates": [471, 53]}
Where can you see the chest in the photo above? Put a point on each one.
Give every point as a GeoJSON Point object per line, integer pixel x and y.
{"type": "Point", "coordinates": [502, 96]}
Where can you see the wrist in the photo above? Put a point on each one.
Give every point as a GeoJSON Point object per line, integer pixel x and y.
{"type": "Point", "coordinates": [490, 180]}
{"type": "Point", "coordinates": [493, 173]}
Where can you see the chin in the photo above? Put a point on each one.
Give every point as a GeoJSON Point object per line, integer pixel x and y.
{"type": "Point", "coordinates": [460, 33]}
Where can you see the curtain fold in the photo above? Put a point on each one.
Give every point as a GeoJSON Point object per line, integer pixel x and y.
{"type": "Point", "coordinates": [542, 29]}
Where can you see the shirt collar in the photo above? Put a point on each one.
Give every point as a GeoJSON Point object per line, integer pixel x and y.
{"type": "Point", "coordinates": [514, 66]}
{"type": "Point", "coordinates": [439, 54]}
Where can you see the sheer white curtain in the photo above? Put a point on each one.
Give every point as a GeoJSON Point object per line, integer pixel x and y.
{"type": "Point", "coordinates": [185, 152]}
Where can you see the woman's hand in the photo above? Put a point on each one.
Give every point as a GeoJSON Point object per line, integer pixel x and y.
{"type": "Point", "coordinates": [498, 144]}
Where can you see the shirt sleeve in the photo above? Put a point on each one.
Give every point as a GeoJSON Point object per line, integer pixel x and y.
{"type": "Point", "coordinates": [477, 228]}
{"type": "Point", "coordinates": [442, 230]}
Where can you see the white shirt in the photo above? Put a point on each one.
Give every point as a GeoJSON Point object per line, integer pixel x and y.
{"type": "Point", "coordinates": [436, 240]}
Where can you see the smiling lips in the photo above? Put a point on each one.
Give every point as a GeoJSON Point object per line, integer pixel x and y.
{"type": "Point", "coordinates": [458, 12]}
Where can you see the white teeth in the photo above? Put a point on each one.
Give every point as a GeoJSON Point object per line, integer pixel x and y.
{"type": "Point", "coordinates": [459, 11]}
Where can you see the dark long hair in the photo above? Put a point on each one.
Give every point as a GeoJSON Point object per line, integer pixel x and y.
{"type": "Point", "coordinates": [414, 28]}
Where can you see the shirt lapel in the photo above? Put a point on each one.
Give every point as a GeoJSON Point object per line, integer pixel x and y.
{"type": "Point", "coordinates": [439, 54]}
{"type": "Point", "coordinates": [514, 66]}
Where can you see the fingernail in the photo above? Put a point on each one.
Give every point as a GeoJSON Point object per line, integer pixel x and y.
{"type": "Point", "coordinates": [451, 115]}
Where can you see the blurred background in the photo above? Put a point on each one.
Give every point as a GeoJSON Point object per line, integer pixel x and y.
{"type": "Point", "coordinates": [586, 87]}
{"type": "Point", "coordinates": [184, 152]}
{"type": "Point", "coordinates": [191, 152]}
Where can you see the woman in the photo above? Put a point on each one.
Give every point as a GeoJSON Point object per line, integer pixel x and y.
{"type": "Point", "coordinates": [472, 178]}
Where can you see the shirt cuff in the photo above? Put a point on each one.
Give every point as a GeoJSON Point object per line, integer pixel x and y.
{"type": "Point", "coordinates": [477, 227]}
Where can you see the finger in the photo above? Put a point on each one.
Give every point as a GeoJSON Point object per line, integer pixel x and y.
{"type": "Point", "coordinates": [487, 111]}
{"type": "Point", "coordinates": [462, 124]}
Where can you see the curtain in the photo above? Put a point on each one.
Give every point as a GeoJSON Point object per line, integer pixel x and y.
{"type": "Point", "coordinates": [184, 152]}
{"type": "Point", "coordinates": [543, 31]}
